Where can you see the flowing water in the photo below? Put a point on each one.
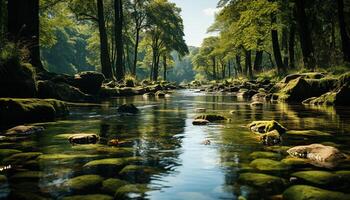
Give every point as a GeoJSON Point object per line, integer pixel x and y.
{"type": "Point", "coordinates": [164, 156]}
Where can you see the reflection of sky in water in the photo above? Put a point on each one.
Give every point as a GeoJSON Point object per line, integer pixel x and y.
{"type": "Point", "coordinates": [163, 135]}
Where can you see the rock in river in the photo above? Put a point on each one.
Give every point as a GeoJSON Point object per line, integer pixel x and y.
{"type": "Point", "coordinates": [128, 108]}
{"type": "Point", "coordinates": [83, 138]}
{"type": "Point", "coordinates": [317, 152]}
{"type": "Point", "coordinates": [304, 192]}
{"type": "Point", "coordinates": [266, 126]}
{"type": "Point", "coordinates": [211, 118]}
{"type": "Point", "coordinates": [24, 130]}
{"type": "Point", "coordinates": [200, 122]}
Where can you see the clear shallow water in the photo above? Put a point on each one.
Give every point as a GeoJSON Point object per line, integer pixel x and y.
{"type": "Point", "coordinates": [163, 140]}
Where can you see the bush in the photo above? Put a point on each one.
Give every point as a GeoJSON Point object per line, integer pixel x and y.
{"type": "Point", "coordinates": [130, 81]}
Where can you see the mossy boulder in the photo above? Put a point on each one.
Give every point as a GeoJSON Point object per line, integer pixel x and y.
{"type": "Point", "coordinates": [4, 153]}
{"type": "Point", "coordinates": [63, 157]}
{"type": "Point", "coordinates": [265, 154]}
{"type": "Point", "coordinates": [17, 79]}
{"type": "Point", "coordinates": [338, 97]}
{"type": "Point", "coordinates": [305, 192]}
{"type": "Point", "coordinates": [310, 75]}
{"type": "Point", "coordinates": [111, 185]}
{"type": "Point", "coordinates": [263, 164]}
{"type": "Point", "coordinates": [295, 162]}
{"type": "Point", "coordinates": [89, 82]}
{"type": "Point", "coordinates": [26, 176]}
{"type": "Point", "coordinates": [61, 91]}
{"type": "Point", "coordinates": [322, 178]}
{"type": "Point", "coordinates": [301, 89]}
{"type": "Point", "coordinates": [271, 138]}
{"type": "Point", "coordinates": [110, 165]}
{"type": "Point", "coordinates": [268, 183]}
{"type": "Point", "coordinates": [24, 130]}
{"type": "Point", "coordinates": [140, 172]}
{"type": "Point", "coordinates": [211, 117]}
{"type": "Point", "coordinates": [266, 126]}
{"type": "Point", "coordinates": [136, 190]}
{"type": "Point", "coordinates": [84, 183]}
{"type": "Point", "coordinates": [89, 197]}
{"type": "Point", "coordinates": [20, 111]}
{"type": "Point", "coordinates": [20, 158]}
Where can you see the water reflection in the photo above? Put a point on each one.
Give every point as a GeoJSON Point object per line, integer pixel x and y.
{"type": "Point", "coordinates": [164, 156]}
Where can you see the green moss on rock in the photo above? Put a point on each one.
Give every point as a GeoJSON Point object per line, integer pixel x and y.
{"type": "Point", "coordinates": [8, 152]}
{"type": "Point", "coordinates": [20, 111]}
{"type": "Point", "coordinates": [266, 182]}
{"type": "Point", "coordinates": [89, 197]}
{"type": "Point", "coordinates": [318, 177]}
{"type": "Point", "coordinates": [269, 165]}
{"type": "Point", "coordinates": [266, 126]}
{"type": "Point", "coordinates": [84, 183]}
{"type": "Point", "coordinates": [304, 192]}
{"type": "Point", "coordinates": [265, 154]}
{"type": "Point", "coordinates": [20, 158]}
{"type": "Point", "coordinates": [136, 190]}
{"type": "Point", "coordinates": [307, 133]}
{"type": "Point", "coordinates": [111, 185]}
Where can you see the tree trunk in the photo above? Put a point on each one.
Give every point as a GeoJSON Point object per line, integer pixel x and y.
{"type": "Point", "coordinates": [118, 7]}
{"type": "Point", "coordinates": [276, 46]}
{"type": "Point", "coordinates": [104, 52]}
{"type": "Point", "coordinates": [137, 40]}
{"type": "Point", "coordinates": [248, 64]}
{"type": "Point", "coordinates": [214, 68]}
{"type": "Point", "coordinates": [343, 32]}
{"type": "Point", "coordinates": [238, 63]}
{"type": "Point", "coordinates": [156, 67]}
{"type": "Point", "coordinates": [285, 48]}
{"type": "Point", "coordinates": [164, 67]}
{"type": "Point", "coordinates": [305, 36]}
{"type": "Point", "coordinates": [258, 61]}
{"type": "Point", "coordinates": [23, 26]}
{"type": "Point", "coordinates": [291, 46]}
{"type": "Point", "coordinates": [229, 68]}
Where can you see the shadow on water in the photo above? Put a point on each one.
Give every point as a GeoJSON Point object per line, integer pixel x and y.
{"type": "Point", "coordinates": [163, 155]}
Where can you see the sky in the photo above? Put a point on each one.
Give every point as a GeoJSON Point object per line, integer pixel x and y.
{"type": "Point", "coordinates": [198, 15]}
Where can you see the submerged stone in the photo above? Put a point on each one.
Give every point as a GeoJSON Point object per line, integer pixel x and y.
{"type": "Point", "coordinates": [269, 165]}
{"type": "Point", "coordinates": [89, 197]}
{"type": "Point", "coordinates": [304, 192]}
{"type": "Point", "coordinates": [128, 108]}
{"type": "Point", "coordinates": [131, 190]}
{"type": "Point", "coordinates": [84, 183]}
{"type": "Point", "coordinates": [8, 152]}
{"type": "Point", "coordinates": [111, 185]}
{"type": "Point", "coordinates": [295, 162]}
{"type": "Point", "coordinates": [266, 126]}
{"type": "Point", "coordinates": [265, 154]}
{"type": "Point", "coordinates": [318, 177]}
{"type": "Point", "coordinates": [26, 176]}
{"type": "Point", "coordinates": [271, 184]}
{"type": "Point", "coordinates": [20, 158]}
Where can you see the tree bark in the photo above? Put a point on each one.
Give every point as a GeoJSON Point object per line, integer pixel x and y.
{"type": "Point", "coordinates": [276, 46]}
{"type": "Point", "coordinates": [258, 61]}
{"type": "Point", "coordinates": [248, 64]}
{"type": "Point", "coordinates": [214, 68]}
{"type": "Point", "coordinates": [118, 7]}
{"type": "Point", "coordinates": [343, 32]}
{"type": "Point", "coordinates": [104, 52]}
{"type": "Point", "coordinates": [285, 48]}
{"type": "Point", "coordinates": [291, 46]}
{"type": "Point", "coordinates": [164, 67]}
{"type": "Point", "coordinates": [23, 27]}
{"type": "Point", "coordinates": [238, 63]}
{"type": "Point", "coordinates": [137, 40]}
{"type": "Point", "coordinates": [305, 36]}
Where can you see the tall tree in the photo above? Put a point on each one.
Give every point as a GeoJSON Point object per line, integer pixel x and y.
{"type": "Point", "coordinates": [343, 32]}
{"type": "Point", "coordinates": [276, 46]}
{"type": "Point", "coordinates": [305, 35]}
{"type": "Point", "coordinates": [23, 27]}
{"type": "Point", "coordinates": [104, 53]}
{"type": "Point", "coordinates": [118, 9]}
